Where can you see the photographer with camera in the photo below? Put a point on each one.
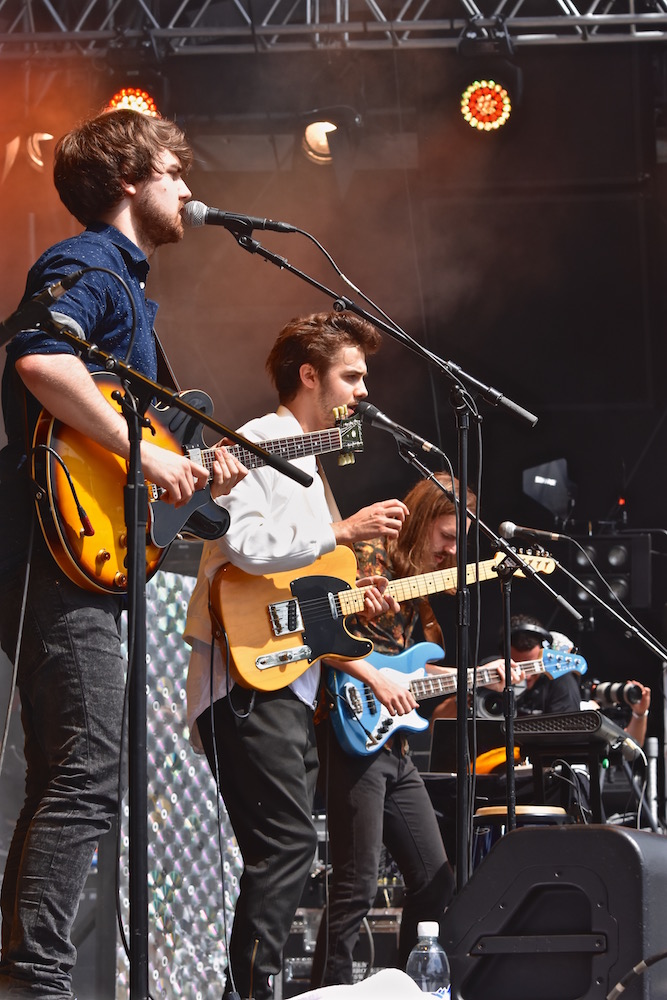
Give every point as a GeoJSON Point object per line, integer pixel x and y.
{"type": "Point", "coordinates": [632, 693]}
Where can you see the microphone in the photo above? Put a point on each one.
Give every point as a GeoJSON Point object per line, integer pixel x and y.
{"type": "Point", "coordinates": [510, 530]}
{"type": "Point", "coordinates": [196, 213]}
{"type": "Point", "coordinates": [35, 311]}
{"type": "Point", "coordinates": [377, 418]}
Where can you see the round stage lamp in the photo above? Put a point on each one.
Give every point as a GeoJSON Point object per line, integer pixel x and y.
{"type": "Point", "coordinates": [315, 142]}
{"type": "Point", "coordinates": [134, 98]}
{"type": "Point", "coordinates": [34, 148]}
{"type": "Point", "coordinates": [485, 105]}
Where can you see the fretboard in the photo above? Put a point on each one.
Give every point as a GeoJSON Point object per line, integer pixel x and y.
{"type": "Point", "coordinates": [438, 685]}
{"type": "Point", "coordinates": [315, 443]}
{"type": "Point", "coordinates": [410, 587]}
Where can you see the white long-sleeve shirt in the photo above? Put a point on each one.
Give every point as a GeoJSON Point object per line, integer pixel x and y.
{"type": "Point", "coordinates": [275, 525]}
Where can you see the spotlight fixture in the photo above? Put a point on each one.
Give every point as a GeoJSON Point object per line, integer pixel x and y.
{"type": "Point", "coordinates": [486, 105]}
{"type": "Point", "coordinates": [329, 133]}
{"type": "Point", "coordinates": [134, 98]}
{"type": "Point", "coordinates": [550, 485]}
{"type": "Point", "coordinates": [315, 142]}
{"type": "Point", "coordinates": [33, 146]}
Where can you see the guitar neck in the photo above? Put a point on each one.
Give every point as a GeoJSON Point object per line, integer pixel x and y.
{"type": "Point", "coordinates": [440, 685]}
{"type": "Point", "coordinates": [411, 587]}
{"type": "Point", "coordinates": [301, 446]}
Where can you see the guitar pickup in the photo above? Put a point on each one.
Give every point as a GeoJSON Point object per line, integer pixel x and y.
{"type": "Point", "coordinates": [352, 699]}
{"type": "Point", "coordinates": [283, 657]}
{"type": "Point", "coordinates": [285, 617]}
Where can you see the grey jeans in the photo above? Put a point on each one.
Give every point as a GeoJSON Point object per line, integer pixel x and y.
{"type": "Point", "coordinates": [71, 683]}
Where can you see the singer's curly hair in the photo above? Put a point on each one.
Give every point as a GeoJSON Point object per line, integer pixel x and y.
{"type": "Point", "coordinates": [94, 158]}
{"type": "Point", "coordinates": [426, 502]}
{"type": "Point", "coordinates": [315, 340]}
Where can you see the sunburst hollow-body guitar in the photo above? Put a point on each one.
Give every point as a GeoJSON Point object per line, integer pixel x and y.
{"type": "Point", "coordinates": [80, 497]}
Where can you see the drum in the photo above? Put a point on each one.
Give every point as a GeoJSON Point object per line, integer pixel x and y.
{"type": "Point", "coordinates": [489, 824]}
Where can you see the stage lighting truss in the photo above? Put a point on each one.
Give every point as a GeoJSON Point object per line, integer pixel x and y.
{"type": "Point", "coordinates": [134, 98]}
{"type": "Point", "coordinates": [486, 105]}
{"type": "Point", "coordinates": [42, 29]}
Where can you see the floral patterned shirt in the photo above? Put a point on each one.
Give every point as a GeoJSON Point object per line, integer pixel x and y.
{"type": "Point", "coordinates": [390, 633]}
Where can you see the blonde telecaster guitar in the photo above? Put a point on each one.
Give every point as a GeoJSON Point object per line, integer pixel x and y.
{"type": "Point", "coordinates": [80, 498]}
{"type": "Point", "coordinates": [279, 624]}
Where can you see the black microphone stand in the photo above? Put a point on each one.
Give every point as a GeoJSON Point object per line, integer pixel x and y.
{"type": "Point", "coordinates": [138, 391]}
{"type": "Point", "coordinates": [463, 788]}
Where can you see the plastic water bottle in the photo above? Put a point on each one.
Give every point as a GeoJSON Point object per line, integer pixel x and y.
{"type": "Point", "coordinates": [427, 962]}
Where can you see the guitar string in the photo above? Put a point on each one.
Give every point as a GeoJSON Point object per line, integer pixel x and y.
{"type": "Point", "coordinates": [434, 686]}
{"type": "Point", "coordinates": [289, 448]}
{"type": "Point", "coordinates": [420, 585]}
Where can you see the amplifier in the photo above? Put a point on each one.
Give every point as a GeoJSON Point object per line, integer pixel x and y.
{"type": "Point", "coordinates": [376, 949]}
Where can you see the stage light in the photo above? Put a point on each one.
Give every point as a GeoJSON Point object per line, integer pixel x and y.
{"type": "Point", "coordinates": [486, 105]}
{"type": "Point", "coordinates": [315, 142]}
{"type": "Point", "coordinates": [134, 98]}
{"type": "Point", "coordinates": [330, 134]}
{"type": "Point", "coordinates": [550, 485]}
{"type": "Point", "coordinates": [34, 148]}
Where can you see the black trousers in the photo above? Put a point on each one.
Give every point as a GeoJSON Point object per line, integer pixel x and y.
{"type": "Point", "coordinates": [370, 801]}
{"type": "Point", "coordinates": [267, 764]}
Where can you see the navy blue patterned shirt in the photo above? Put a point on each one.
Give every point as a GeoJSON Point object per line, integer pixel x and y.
{"type": "Point", "coordinates": [99, 303]}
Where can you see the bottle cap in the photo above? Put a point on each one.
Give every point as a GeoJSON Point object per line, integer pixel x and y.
{"type": "Point", "coordinates": [428, 928]}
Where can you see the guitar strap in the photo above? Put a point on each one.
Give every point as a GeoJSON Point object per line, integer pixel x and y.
{"type": "Point", "coordinates": [165, 373]}
{"type": "Point", "coordinates": [328, 493]}
{"type": "Point", "coordinates": [430, 625]}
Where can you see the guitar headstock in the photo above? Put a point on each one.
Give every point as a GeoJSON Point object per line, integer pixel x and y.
{"type": "Point", "coordinates": [541, 561]}
{"type": "Point", "coordinates": [556, 662]}
{"type": "Point", "coordinates": [350, 434]}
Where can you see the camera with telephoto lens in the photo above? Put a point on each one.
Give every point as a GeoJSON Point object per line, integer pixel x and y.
{"type": "Point", "coordinates": [608, 693]}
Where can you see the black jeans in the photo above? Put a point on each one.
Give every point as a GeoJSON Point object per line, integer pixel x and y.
{"type": "Point", "coordinates": [370, 801]}
{"type": "Point", "coordinates": [267, 763]}
{"type": "Point", "coordinates": [71, 682]}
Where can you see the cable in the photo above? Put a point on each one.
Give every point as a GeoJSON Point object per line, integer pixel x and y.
{"type": "Point", "coordinates": [576, 783]}
{"type": "Point", "coordinates": [233, 995]}
{"type": "Point", "coordinates": [636, 971]}
{"type": "Point", "coordinates": [371, 948]}
{"type": "Point", "coordinates": [19, 640]}
{"type": "Point", "coordinates": [88, 529]}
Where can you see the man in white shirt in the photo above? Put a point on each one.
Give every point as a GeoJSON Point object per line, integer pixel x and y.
{"type": "Point", "coordinates": [261, 744]}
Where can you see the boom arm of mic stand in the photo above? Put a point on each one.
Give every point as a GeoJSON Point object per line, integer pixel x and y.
{"type": "Point", "coordinates": [455, 372]}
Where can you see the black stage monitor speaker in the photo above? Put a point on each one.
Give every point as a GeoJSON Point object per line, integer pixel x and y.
{"type": "Point", "coordinates": [561, 913]}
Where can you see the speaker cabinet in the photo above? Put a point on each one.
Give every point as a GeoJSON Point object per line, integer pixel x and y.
{"type": "Point", "coordinates": [561, 913]}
